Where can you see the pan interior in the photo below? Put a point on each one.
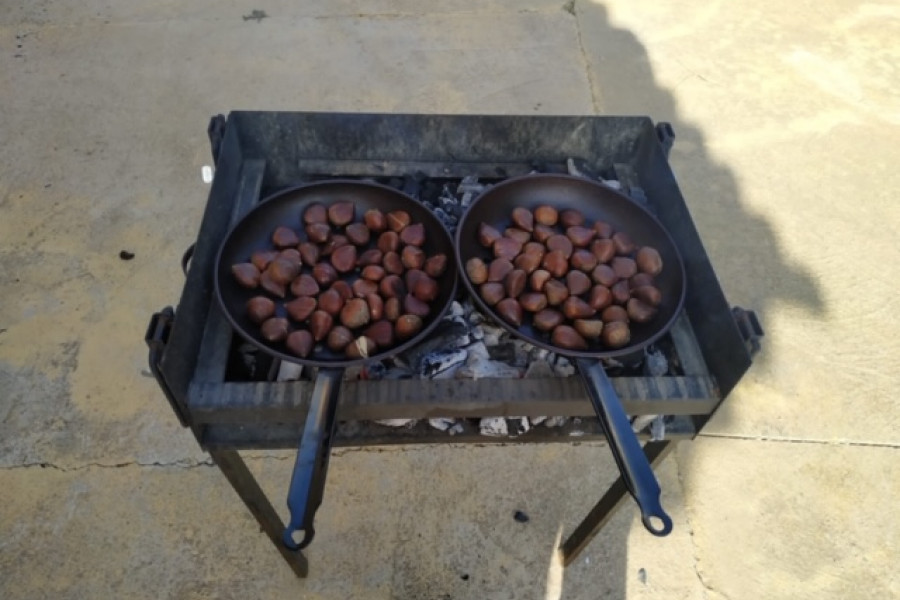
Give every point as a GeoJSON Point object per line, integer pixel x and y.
{"type": "Point", "coordinates": [596, 202]}
{"type": "Point", "coordinates": [254, 232]}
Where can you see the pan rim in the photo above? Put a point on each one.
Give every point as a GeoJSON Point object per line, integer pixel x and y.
{"type": "Point", "coordinates": [605, 189]}
{"type": "Point", "coordinates": [336, 364]}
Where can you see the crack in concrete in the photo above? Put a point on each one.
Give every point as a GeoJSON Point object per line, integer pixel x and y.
{"type": "Point", "coordinates": [821, 442]}
{"type": "Point", "coordinates": [707, 587]}
{"type": "Point", "coordinates": [571, 8]}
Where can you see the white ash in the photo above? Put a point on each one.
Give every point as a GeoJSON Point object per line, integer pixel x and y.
{"type": "Point", "coordinates": [288, 371]}
{"type": "Point", "coordinates": [493, 426]}
{"type": "Point", "coordinates": [640, 422]}
{"type": "Point", "coordinates": [655, 363]}
{"type": "Point", "coordinates": [442, 424]}
{"type": "Point", "coordinates": [409, 423]}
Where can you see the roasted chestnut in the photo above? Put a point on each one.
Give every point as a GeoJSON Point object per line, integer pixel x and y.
{"type": "Point", "coordinates": [299, 309]}
{"type": "Point", "coordinates": [566, 337]}
{"type": "Point", "coordinates": [546, 215]}
{"type": "Point", "coordinates": [355, 313]}
{"type": "Point", "coordinates": [260, 308]}
{"type": "Point", "coordinates": [246, 274]}
{"type": "Point", "coordinates": [285, 237]}
{"type": "Point", "coordinates": [476, 270]}
{"type": "Point", "coordinates": [315, 213]}
{"type": "Point", "coordinates": [523, 218]}
{"type": "Point", "coordinates": [341, 213]}
{"type": "Point", "coordinates": [274, 329]}
{"type": "Point", "coordinates": [649, 261]}
{"type": "Point", "coordinates": [510, 310]}
{"type": "Point", "coordinates": [397, 220]}
{"type": "Point", "coordinates": [300, 343]}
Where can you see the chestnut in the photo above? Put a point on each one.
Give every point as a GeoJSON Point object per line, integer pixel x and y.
{"type": "Point", "coordinates": [476, 270]}
{"type": "Point", "coordinates": [412, 257]}
{"type": "Point", "coordinates": [276, 288]}
{"type": "Point", "coordinates": [603, 229]}
{"type": "Point", "coordinates": [570, 218]}
{"type": "Point", "coordinates": [343, 288]}
{"type": "Point", "coordinates": [364, 287]}
{"type": "Point", "coordinates": [324, 274]}
{"type": "Point", "coordinates": [542, 233]}
{"type": "Point", "coordinates": [376, 306]}
{"type": "Point", "coordinates": [623, 242]}
{"type": "Point", "coordinates": [372, 256]}
{"type": "Point", "coordinates": [520, 235]}
{"type": "Point", "coordinates": [358, 234]}
{"type": "Point", "coordinates": [604, 250]}
{"type": "Point", "coordinates": [315, 213]}
{"type": "Point", "coordinates": [300, 343]}
{"type": "Point", "coordinates": [647, 294]}
{"type": "Point", "coordinates": [600, 297]}
{"type": "Point", "coordinates": [534, 248]}
{"type": "Point", "coordinates": [391, 286]}
{"type": "Point", "coordinates": [580, 236]}
{"type": "Point", "coordinates": [538, 279]}
{"type": "Point", "coordinates": [577, 282]}
{"type": "Point", "coordinates": [614, 312]}
{"type": "Point", "coordinates": [523, 218]}
{"type": "Point", "coordinates": [583, 260]}
{"type": "Point", "coordinates": [414, 306]}
{"type": "Point", "coordinates": [274, 329]}
{"type": "Point", "coordinates": [361, 347]}
{"type": "Point", "coordinates": [566, 337]}
{"type": "Point", "coordinates": [282, 270]}
{"type": "Point", "coordinates": [320, 323]}
{"type": "Point", "coordinates": [338, 338]}
{"type": "Point", "coordinates": [507, 248]}
{"type": "Point", "coordinates": [300, 308]}
{"type": "Point", "coordinates": [436, 265]}
{"type": "Point", "coordinates": [397, 220]}
{"type": "Point", "coordinates": [260, 308]}
{"type": "Point", "coordinates": [639, 312]}
{"type": "Point", "coordinates": [560, 243]}
{"type": "Point", "coordinates": [492, 292]}
{"type": "Point", "coordinates": [407, 326]}
{"type": "Point", "coordinates": [375, 220]}
{"type": "Point", "coordinates": [589, 328]}
{"type": "Point", "coordinates": [556, 263]}
{"type": "Point", "coordinates": [341, 213]}
{"type": "Point", "coordinates": [331, 302]}
{"type": "Point", "coordinates": [546, 215]}
{"type": "Point", "coordinates": [499, 269]}
{"type": "Point", "coordinates": [620, 292]}
{"type": "Point", "coordinates": [510, 311]}
{"type": "Point", "coordinates": [318, 232]}
{"type": "Point", "coordinates": [487, 235]}
{"type": "Point", "coordinates": [640, 280]}
{"type": "Point", "coordinates": [246, 274]}
{"type": "Point", "coordinates": [344, 259]}
{"type": "Point", "coordinates": [381, 332]}
{"type": "Point", "coordinates": [285, 237]}
{"type": "Point", "coordinates": [514, 282]}
{"type": "Point", "coordinates": [262, 258]}
{"type": "Point", "coordinates": [309, 253]}
{"type": "Point", "coordinates": [556, 292]}
{"type": "Point", "coordinates": [604, 275]}
{"type": "Point", "coordinates": [624, 267]}
{"type": "Point", "coordinates": [413, 235]}
{"type": "Point", "coordinates": [334, 242]}
{"type": "Point", "coordinates": [292, 256]}
{"type": "Point", "coordinates": [533, 301]}
{"type": "Point", "coordinates": [355, 313]}
{"type": "Point", "coordinates": [576, 308]}
{"type": "Point", "coordinates": [392, 309]}
{"type": "Point", "coordinates": [373, 273]}
{"type": "Point", "coordinates": [393, 264]}
{"type": "Point", "coordinates": [426, 289]}
{"type": "Point", "coordinates": [616, 334]}
{"type": "Point", "coordinates": [388, 241]}
{"type": "Point", "coordinates": [547, 319]}
{"type": "Point", "coordinates": [649, 261]}
{"type": "Point", "coordinates": [528, 262]}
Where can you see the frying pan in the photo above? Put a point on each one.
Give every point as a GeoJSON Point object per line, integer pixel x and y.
{"type": "Point", "coordinates": [253, 232]}
{"type": "Point", "coordinates": [596, 202]}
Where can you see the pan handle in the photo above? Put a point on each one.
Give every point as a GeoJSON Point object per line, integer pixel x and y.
{"type": "Point", "coordinates": [625, 447]}
{"type": "Point", "coordinates": [308, 479]}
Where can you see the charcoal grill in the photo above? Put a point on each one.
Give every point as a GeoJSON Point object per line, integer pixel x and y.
{"type": "Point", "coordinates": [197, 360]}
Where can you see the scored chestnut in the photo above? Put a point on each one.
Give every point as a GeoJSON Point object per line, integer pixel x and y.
{"type": "Point", "coordinates": [372, 256]}
{"type": "Point", "coordinates": [414, 306]}
{"type": "Point", "coordinates": [324, 274]}
{"type": "Point", "coordinates": [589, 328]}
{"type": "Point", "coordinates": [623, 242]}
{"type": "Point", "coordinates": [647, 294]}
{"type": "Point", "coordinates": [380, 332]}
{"type": "Point", "coordinates": [393, 264]}
{"type": "Point", "coordinates": [318, 232]}
{"type": "Point", "coordinates": [361, 347]}
{"type": "Point", "coordinates": [538, 279]}
{"type": "Point", "coordinates": [282, 270]}
{"type": "Point", "coordinates": [577, 282]}
{"type": "Point", "coordinates": [364, 287]}
{"type": "Point", "coordinates": [576, 308]}
{"type": "Point", "coordinates": [604, 250]}
{"type": "Point", "coordinates": [580, 236]}
{"type": "Point", "coordinates": [276, 288]}
{"type": "Point", "coordinates": [560, 243]}
{"type": "Point", "coordinates": [320, 323]}
{"type": "Point", "coordinates": [338, 338]}
{"type": "Point", "coordinates": [533, 301]}
{"type": "Point", "coordinates": [492, 292]}
{"type": "Point", "coordinates": [542, 233]}
{"type": "Point", "coordinates": [624, 267]}
{"type": "Point", "coordinates": [556, 263]}
{"type": "Point", "coordinates": [514, 282]}
{"type": "Point", "coordinates": [620, 292]}
{"type": "Point", "coordinates": [412, 257]}
{"type": "Point", "coordinates": [556, 292]}
{"type": "Point", "coordinates": [639, 312]}
{"type": "Point", "coordinates": [376, 306]}
{"type": "Point", "coordinates": [397, 220]}
{"type": "Point", "coordinates": [388, 241]}
{"type": "Point", "coordinates": [507, 248]}
{"type": "Point", "coordinates": [603, 230]}
{"type": "Point", "coordinates": [520, 235]}
{"type": "Point", "coordinates": [583, 260]}
{"type": "Point", "coordinates": [331, 302]}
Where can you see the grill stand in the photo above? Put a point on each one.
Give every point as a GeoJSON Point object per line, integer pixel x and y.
{"type": "Point", "coordinates": [257, 153]}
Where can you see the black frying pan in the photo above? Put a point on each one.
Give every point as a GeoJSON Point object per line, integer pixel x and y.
{"type": "Point", "coordinates": [596, 202]}
{"type": "Point", "coordinates": [253, 233]}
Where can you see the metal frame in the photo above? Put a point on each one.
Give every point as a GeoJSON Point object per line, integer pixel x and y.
{"type": "Point", "coordinates": [257, 153]}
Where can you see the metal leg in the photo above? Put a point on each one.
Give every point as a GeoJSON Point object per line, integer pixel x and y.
{"type": "Point", "coordinates": [607, 506]}
{"type": "Point", "coordinates": [235, 470]}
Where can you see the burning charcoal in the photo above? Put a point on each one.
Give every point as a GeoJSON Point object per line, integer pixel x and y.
{"type": "Point", "coordinates": [442, 364]}
{"type": "Point", "coordinates": [285, 237]}
{"type": "Point", "coordinates": [442, 424]}
{"type": "Point", "coordinates": [655, 363]}
{"type": "Point", "coordinates": [246, 274]}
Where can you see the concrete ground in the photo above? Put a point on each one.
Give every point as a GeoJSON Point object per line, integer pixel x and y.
{"type": "Point", "coordinates": [788, 119]}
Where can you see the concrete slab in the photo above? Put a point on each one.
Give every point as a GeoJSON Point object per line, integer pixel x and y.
{"type": "Point", "coordinates": [786, 122]}
{"type": "Point", "coordinates": [409, 523]}
{"type": "Point", "coordinates": [814, 522]}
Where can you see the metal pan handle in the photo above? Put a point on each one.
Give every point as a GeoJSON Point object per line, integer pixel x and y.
{"type": "Point", "coordinates": [625, 447]}
{"type": "Point", "coordinates": [308, 479]}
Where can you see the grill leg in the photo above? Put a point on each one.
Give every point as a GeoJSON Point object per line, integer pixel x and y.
{"type": "Point", "coordinates": [235, 470]}
{"type": "Point", "coordinates": [606, 507]}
